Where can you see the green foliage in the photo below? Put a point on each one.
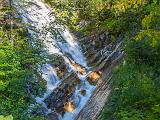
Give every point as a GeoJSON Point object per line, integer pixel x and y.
{"type": "Point", "coordinates": [150, 25]}
{"type": "Point", "coordinates": [10, 117]}
{"type": "Point", "coordinates": [134, 96]}
{"type": "Point", "coordinates": [136, 93]}
{"type": "Point", "coordinates": [18, 62]}
{"type": "Point", "coordinates": [93, 17]}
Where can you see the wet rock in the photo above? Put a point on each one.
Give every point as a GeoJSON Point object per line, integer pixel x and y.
{"type": "Point", "coordinates": [83, 92]}
{"type": "Point", "coordinates": [63, 94]}
{"type": "Point", "coordinates": [69, 107]}
{"type": "Point", "coordinates": [103, 36]}
{"type": "Point", "coordinates": [77, 34]}
{"type": "Point", "coordinates": [61, 70]}
{"type": "Point", "coordinates": [81, 70]}
{"type": "Point", "coordinates": [39, 110]}
{"type": "Point", "coordinates": [70, 90]}
{"type": "Point", "coordinates": [59, 107]}
{"type": "Point", "coordinates": [59, 63]}
{"type": "Point", "coordinates": [53, 116]}
{"type": "Point", "coordinates": [59, 97]}
{"type": "Point", "coordinates": [77, 81]}
{"type": "Point", "coordinates": [90, 52]}
{"type": "Point", "coordinates": [60, 73]}
{"type": "Point", "coordinates": [92, 61]}
{"type": "Point", "coordinates": [94, 77]}
{"type": "Point", "coordinates": [76, 100]}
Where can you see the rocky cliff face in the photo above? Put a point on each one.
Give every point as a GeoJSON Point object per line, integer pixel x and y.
{"type": "Point", "coordinates": [72, 72]}
{"type": "Point", "coordinates": [102, 56]}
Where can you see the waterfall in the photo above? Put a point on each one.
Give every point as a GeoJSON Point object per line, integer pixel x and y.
{"type": "Point", "coordinates": [39, 16]}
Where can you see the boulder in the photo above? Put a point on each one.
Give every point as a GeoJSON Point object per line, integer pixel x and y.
{"type": "Point", "coordinates": [39, 110]}
{"type": "Point", "coordinates": [53, 116]}
{"type": "Point", "coordinates": [77, 81]}
{"type": "Point", "coordinates": [104, 36]}
{"type": "Point", "coordinates": [81, 70]}
{"type": "Point", "coordinates": [60, 97]}
{"type": "Point", "coordinates": [83, 92]}
{"type": "Point", "coordinates": [94, 77]}
{"type": "Point", "coordinates": [69, 107]}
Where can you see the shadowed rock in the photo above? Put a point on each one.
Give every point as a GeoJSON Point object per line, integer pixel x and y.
{"type": "Point", "coordinates": [83, 92]}
{"type": "Point", "coordinates": [53, 116]}
{"type": "Point", "coordinates": [63, 94]}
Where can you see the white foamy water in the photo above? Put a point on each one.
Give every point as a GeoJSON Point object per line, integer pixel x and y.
{"type": "Point", "coordinates": [38, 15]}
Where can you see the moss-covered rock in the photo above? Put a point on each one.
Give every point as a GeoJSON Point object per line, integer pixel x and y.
{"type": "Point", "coordinates": [83, 92]}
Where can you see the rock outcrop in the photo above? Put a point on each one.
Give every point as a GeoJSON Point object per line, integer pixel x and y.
{"type": "Point", "coordinates": [63, 94]}
{"type": "Point", "coordinates": [94, 77]}
{"type": "Point", "coordinates": [101, 94]}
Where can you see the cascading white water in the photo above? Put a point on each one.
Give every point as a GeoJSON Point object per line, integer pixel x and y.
{"type": "Point", "coordinates": [38, 15]}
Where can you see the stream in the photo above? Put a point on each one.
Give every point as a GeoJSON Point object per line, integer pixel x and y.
{"type": "Point", "coordinates": [57, 40]}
